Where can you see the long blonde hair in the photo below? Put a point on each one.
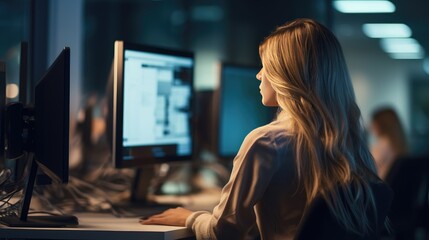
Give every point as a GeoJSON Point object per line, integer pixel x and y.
{"type": "Point", "coordinates": [305, 65]}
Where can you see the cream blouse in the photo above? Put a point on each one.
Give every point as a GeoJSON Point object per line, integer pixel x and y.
{"type": "Point", "coordinates": [262, 194]}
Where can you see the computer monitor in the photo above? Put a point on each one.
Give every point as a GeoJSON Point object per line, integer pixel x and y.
{"type": "Point", "coordinates": [44, 132]}
{"type": "Point", "coordinates": [2, 109]}
{"type": "Point", "coordinates": [152, 105]}
{"type": "Point", "coordinates": [151, 113]}
{"type": "Point", "coordinates": [23, 72]}
{"type": "Point", "coordinates": [239, 108]}
{"type": "Point", "coordinates": [52, 106]}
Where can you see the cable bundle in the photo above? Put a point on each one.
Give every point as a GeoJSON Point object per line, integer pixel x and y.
{"type": "Point", "coordinates": [10, 194]}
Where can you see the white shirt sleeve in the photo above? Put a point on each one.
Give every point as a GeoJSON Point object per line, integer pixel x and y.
{"type": "Point", "coordinates": [234, 216]}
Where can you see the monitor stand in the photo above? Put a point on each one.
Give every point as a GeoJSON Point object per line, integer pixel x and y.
{"type": "Point", "coordinates": [144, 185]}
{"type": "Point", "coordinates": [23, 220]}
{"type": "Point", "coordinates": [146, 182]}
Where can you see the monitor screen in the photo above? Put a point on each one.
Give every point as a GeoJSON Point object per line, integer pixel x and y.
{"type": "Point", "coordinates": [152, 105]}
{"type": "Point", "coordinates": [240, 109]}
{"type": "Point", "coordinates": [52, 98]}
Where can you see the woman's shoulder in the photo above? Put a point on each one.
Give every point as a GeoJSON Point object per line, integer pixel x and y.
{"type": "Point", "coordinates": [272, 141]}
{"type": "Point", "coordinates": [274, 133]}
{"type": "Point", "coordinates": [275, 129]}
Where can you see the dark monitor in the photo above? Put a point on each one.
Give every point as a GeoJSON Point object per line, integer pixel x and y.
{"type": "Point", "coordinates": [239, 108]}
{"type": "Point", "coordinates": [23, 72]}
{"type": "Point", "coordinates": [2, 109]}
{"type": "Point", "coordinates": [52, 105]}
{"type": "Point", "coordinates": [152, 105]}
{"type": "Point", "coordinates": [44, 132]}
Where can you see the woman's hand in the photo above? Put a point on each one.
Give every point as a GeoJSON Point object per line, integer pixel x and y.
{"type": "Point", "coordinates": [173, 217]}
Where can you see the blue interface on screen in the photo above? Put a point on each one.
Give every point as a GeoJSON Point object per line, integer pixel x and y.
{"type": "Point", "coordinates": [241, 109]}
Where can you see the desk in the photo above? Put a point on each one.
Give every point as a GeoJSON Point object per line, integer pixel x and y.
{"type": "Point", "coordinates": [100, 226]}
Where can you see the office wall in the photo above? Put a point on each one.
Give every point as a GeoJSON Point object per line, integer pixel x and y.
{"type": "Point", "coordinates": [214, 30]}
{"type": "Point", "coordinates": [380, 81]}
{"type": "Point", "coordinates": [65, 29]}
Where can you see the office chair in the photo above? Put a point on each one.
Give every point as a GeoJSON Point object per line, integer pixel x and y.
{"type": "Point", "coordinates": [319, 223]}
{"type": "Point", "coordinates": [409, 213]}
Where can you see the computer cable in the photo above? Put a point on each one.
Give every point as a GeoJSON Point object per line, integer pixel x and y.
{"type": "Point", "coordinates": [4, 176]}
{"type": "Point", "coordinates": [47, 203]}
{"type": "Point", "coordinates": [98, 199]}
{"type": "Point", "coordinates": [79, 195]}
{"type": "Point", "coordinates": [111, 179]}
{"type": "Point", "coordinates": [6, 197]}
{"type": "Point", "coordinates": [59, 198]}
{"type": "Point", "coordinates": [9, 190]}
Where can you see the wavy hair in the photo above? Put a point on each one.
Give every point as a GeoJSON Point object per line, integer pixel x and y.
{"type": "Point", "coordinates": [305, 65]}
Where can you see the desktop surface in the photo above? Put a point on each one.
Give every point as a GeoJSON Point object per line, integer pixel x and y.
{"type": "Point", "coordinates": [100, 226]}
{"type": "Point", "coordinates": [108, 227]}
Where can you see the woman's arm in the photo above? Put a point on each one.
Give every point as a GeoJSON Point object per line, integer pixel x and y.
{"type": "Point", "coordinates": [234, 216]}
{"type": "Point", "coordinates": [173, 217]}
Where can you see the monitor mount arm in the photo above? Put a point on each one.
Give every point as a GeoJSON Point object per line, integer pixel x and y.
{"type": "Point", "coordinates": [20, 130]}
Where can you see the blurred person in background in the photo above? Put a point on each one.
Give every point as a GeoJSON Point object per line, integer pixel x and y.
{"type": "Point", "coordinates": [389, 141]}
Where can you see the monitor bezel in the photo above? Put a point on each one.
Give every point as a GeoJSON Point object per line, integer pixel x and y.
{"type": "Point", "coordinates": [118, 108]}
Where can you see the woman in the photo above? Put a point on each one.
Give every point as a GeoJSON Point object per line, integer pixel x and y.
{"type": "Point", "coordinates": [315, 145]}
{"type": "Point", "coordinates": [390, 141]}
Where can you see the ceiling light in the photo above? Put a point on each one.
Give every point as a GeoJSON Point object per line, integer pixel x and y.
{"type": "Point", "coordinates": [368, 6]}
{"type": "Point", "coordinates": [406, 55]}
{"type": "Point", "coordinates": [386, 30]}
{"type": "Point", "coordinates": [401, 45]}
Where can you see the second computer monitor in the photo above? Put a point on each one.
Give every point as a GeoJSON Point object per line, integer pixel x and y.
{"type": "Point", "coordinates": [52, 105]}
{"type": "Point", "coordinates": [240, 109]}
{"type": "Point", "coordinates": [152, 105]}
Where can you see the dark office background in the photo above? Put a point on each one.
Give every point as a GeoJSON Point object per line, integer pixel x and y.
{"type": "Point", "coordinates": [216, 31]}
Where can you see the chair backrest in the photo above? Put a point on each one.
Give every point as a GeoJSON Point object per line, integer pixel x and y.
{"type": "Point", "coordinates": [409, 180]}
{"type": "Point", "coordinates": [319, 223]}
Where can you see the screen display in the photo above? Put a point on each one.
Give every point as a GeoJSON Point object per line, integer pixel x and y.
{"type": "Point", "coordinates": [157, 92]}
{"type": "Point", "coordinates": [240, 107]}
